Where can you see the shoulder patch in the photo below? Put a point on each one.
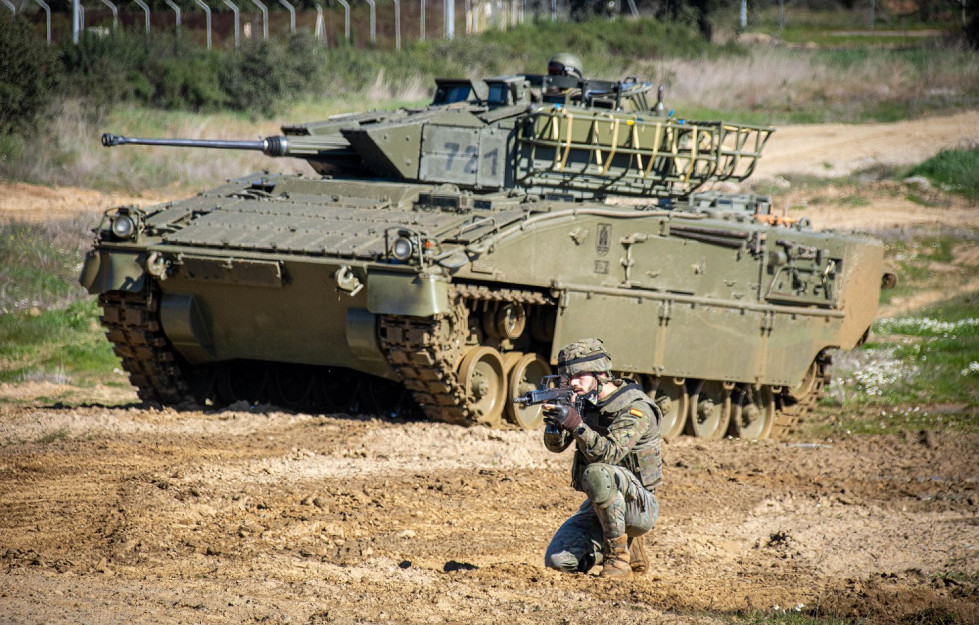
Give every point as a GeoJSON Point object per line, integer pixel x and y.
{"type": "Point", "coordinates": [636, 412]}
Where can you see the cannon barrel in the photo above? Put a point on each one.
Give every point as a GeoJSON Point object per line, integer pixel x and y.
{"type": "Point", "coordinates": [271, 146]}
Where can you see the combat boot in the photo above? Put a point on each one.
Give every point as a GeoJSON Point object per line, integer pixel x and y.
{"type": "Point", "coordinates": [617, 559]}
{"type": "Point", "coordinates": [637, 555]}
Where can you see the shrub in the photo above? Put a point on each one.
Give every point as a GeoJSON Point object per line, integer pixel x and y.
{"type": "Point", "coordinates": [29, 76]}
{"type": "Point", "coordinates": [107, 69]}
{"type": "Point", "coordinates": [188, 78]}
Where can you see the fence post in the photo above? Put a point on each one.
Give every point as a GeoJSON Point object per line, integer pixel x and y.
{"type": "Point", "coordinates": [115, 13]}
{"type": "Point", "coordinates": [234, 10]}
{"type": "Point", "coordinates": [292, 15]}
{"type": "Point", "coordinates": [450, 19]}
{"type": "Point", "coordinates": [346, 19]}
{"type": "Point", "coordinates": [373, 21]}
{"type": "Point", "coordinates": [176, 10]}
{"type": "Point", "coordinates": [265, 18]}
{"type": "Point", "coordinates": [146, 9]}
{"type": "Point", "coordinates": [207, 12]}
{"type": "Point", "coordinates": [397, 25]}
{"type": "Point", "coordinates": [320, 30]}
{"type": "Point", "coordinates": [47, 12]}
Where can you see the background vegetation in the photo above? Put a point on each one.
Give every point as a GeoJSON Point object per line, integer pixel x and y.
{"type": "Point", "coordinates": [131, 84]}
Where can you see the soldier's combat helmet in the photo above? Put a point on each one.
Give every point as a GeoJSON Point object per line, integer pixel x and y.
{"type": "Point", "coordinates": [584, 356]}
{"type": "Point", "coordinates": [565, 64]}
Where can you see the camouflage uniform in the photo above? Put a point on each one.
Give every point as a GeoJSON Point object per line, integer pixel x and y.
{"type": "Point", "coordinates": [617, 464]}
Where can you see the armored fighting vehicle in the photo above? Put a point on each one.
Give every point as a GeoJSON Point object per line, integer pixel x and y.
{"type": "Point", "coordinates": [444, 254]}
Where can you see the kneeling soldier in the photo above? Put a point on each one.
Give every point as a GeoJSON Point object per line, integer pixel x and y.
{"type": "Point", "coordinates": [615, 428]}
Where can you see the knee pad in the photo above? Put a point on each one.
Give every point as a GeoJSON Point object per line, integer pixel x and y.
{"type": "Point", "coordinates": [598, 484]}
{"type": "Point", "coordinates": [563, 561]}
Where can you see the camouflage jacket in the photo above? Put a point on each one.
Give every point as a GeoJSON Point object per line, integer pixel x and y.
{"type": "Point", "coordinates": [623, 429]}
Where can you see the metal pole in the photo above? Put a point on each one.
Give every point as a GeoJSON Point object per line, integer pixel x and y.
{"type": "Point", "coordinates": [265, 18]}
{"type": "Point", "coordinates": [450, 19]}
{"type": "Point", "coordinates": [234, 10]}
{"type": "Point", "coordinates": [146, 9]}
{"type": "Point", "coordinates": [346, 19]}
{"type": "Point", "coordinates": [743, 15]}
{"type": "Point", "coordinates": [422, 34]}
{"type": "Point", "coordinates": [176, 10]}
{"type": "Point", "coordinates": [320, 30]}
{"type": "Point", "coordinates": [115, 13]}
{"type": "Point", "coordinates": [397, 24]}
{"type": "Point", "coordinates": [47, 11]}
{"type": "Point", "coordinates": [373, 21]}
{"type": "Point", "coordinates": [207, 12]}
{"type": "Point", "coordinates": [74, 21]}
{"type": "Point", "coordinates": [871, 14]}
{"type": "Point", "coordinates": [292, 15]}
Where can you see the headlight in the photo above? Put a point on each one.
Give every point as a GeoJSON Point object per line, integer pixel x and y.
{"type": "Point", "coordinates": [123, 226]}
{"type": "Point", "coordinates": [402, 249]}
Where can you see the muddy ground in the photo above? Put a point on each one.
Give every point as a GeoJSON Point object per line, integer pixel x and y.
{"type": "Point", "coordinates": [115, 512]}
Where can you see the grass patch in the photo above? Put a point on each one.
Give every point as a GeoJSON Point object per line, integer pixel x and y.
{"type": "Point", "coordinates": [40, 263]}
{"type": "Point", "coordinates": [48, 322]}
{"type": "Point", "coordinates": [53, 437]}
{"type": "Point", "coordinates": [786, 615]}
{"type": "Point", "coordinates": [924, 263]}
{"type": "Point", "coordinates": [917, 372]}
{"type": "Point", "coordinates": [956, 171]}
{"type": "Point", "coordinates": [65, 346]}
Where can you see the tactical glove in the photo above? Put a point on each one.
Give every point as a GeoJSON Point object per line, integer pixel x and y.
{"type": "Point", "coordinates": [563, 416]}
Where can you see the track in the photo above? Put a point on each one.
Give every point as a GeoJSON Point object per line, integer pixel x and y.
{"type": "Point", "coordinates": [451, 371]}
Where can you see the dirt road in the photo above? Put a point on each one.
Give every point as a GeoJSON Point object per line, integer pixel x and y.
{"type": "Point", "coordinates": [115, 513]}
{"type": "Point", "coordinates": [132, 515]}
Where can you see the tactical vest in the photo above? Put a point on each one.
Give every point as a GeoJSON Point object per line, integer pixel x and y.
{"type": "Point", "coordinates": [644, 459]}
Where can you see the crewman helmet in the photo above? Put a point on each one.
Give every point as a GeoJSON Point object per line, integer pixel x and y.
{"type": "Point", "coordinates": [565, 64]}
{"type": "Point", "coordinates": [584, 356]}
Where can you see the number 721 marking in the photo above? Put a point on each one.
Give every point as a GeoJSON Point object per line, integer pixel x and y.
{"type": "Point", "coordinates": [472, 152]}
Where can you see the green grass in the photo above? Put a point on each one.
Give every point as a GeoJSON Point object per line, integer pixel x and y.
{"type": "Point", "coordinates": [37, 265]}
{"type": "Point", "coordinates": [62, 345]}
{"type": "Point", "coordinates": [917, 372]}
{"type": "Point", "coordinates": [48, 324]}
{"type": "Point", "coordinates": [954, 170]}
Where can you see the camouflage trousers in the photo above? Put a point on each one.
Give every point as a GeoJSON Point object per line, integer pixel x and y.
{"type": "Point", "coordinates": [577, 544]}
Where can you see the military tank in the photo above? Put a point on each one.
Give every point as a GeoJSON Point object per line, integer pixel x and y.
{"type": "Point", "coordinates": [443, 255]}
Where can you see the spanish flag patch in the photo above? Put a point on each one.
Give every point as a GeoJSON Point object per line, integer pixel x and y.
{"type": "Point", "coordinates": [636, 412]}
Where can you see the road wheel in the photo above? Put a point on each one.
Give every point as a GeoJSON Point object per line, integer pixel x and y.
{"type": "Point", "coordinates": [753, 412]}
{"type": "Point", "coordinates": [710, 406]}
{"type": "Point", "coordinates": [481, 376]}
{"type": "Point", "coordinates": [525, 376]}
{"type": "Point", "coordinates": [674, 400]}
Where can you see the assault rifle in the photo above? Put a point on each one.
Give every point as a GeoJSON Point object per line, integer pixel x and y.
{"type": "Point", "coordinates": [552, 390]}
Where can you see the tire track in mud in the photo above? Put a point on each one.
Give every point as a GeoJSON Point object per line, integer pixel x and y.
{"type": "Point", "coordinates": [250, 515]}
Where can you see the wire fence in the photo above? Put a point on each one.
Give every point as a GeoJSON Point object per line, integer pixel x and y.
{"type": "Point", "coordinates": [362, 23]}
{"type": "Point", "coordinates": [227, 23]}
